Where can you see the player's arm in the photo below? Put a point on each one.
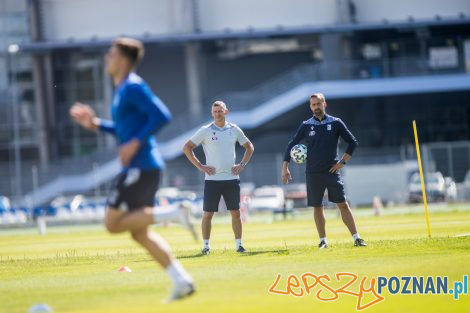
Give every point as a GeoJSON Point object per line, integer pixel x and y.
{"type": "Point", "coordinates": [85, 116]}
{"type": "Point", "coordinates": [105, 125]}
{"type": "Point", "coordinates": [188, 150]}
{"type": "Point", "coordinates": [352, 144]}
{"type": "Point", "coordinates": [249, 149]}
{"type": "Point", "coordinates": [348, 137]}
{"type": "Point", "coordinates": [285, 173]}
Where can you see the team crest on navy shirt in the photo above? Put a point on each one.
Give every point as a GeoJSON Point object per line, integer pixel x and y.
{"type": "Point", "coordinates": [311, 133]}
{"type": "Point", "coordinates": [328, 127]}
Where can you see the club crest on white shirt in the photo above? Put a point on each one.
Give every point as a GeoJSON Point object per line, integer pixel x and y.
{"type": "Point", "coordinates": [214, 137]}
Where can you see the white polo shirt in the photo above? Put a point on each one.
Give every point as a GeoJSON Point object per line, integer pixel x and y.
{"type": "Point", "coordinates": [219, 147]}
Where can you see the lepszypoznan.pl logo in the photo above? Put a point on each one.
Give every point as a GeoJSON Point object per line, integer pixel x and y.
{"type": "Point", "coordinates": [404, 285]}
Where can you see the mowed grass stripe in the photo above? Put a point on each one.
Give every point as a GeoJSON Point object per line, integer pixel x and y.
{"type": "Point", "coordinates": [74, 269]}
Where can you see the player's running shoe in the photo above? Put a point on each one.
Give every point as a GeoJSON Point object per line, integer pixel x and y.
{"type": "Point", "coordinates": [185, 218]}
{"type": "Point", "coordinates": [359, 242]}
{"type": "Point", "coordinates": [241, 249]}
{"type": "Point", "coordinates": [322, 245]}
{"type": "Point", "coordinates": [181, 291]}
{"type": "Point", "coordinates": [206, 251]}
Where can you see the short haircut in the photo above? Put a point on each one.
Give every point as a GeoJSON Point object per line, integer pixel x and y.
{"type": "Point", "coordinates": [319, 96]}
{"type": "Point", "coordinates": [219, 103]}
{"type": "Point", "coordinates": [131, 49]}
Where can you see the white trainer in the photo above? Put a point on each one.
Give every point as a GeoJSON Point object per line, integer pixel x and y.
{"type": "Point", "coordinates": [181, 291]}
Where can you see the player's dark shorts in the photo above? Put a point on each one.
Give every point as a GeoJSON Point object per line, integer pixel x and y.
{"type": "Point", "coordinates": [318, 182]}
{"type": "Point", "coordinates": [214, 189]}
{"type": "Point", "coordinates": [134, 189]}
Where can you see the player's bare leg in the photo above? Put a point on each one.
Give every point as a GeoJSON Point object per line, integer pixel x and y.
{"type": "Point", "coordinates": [117, 221]}
{"type": "Point", "coordinates": [237, 230]}
{"type": "Point", "coordinates": [347, 216]}
{"type": "Point", "coordinates": [236, 223]}
{"type": "Point", "coordinates": [159, 249]}
{"type": "Point", "coordinates": [320, 222]}
{"type": "Point", "coordinates": [348, 220]}
{"type": "Point", "coordinates": [154, 244]}
{"type": "Point", "coordinates": [206, 226]}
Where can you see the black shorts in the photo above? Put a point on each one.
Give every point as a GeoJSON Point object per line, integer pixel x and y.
{"type": "Point", "coordinates": [318, 182]}
{"type": "Point", "coordinates": [134, 189]}
{"type": "Point", "coordinates": [214, 189]}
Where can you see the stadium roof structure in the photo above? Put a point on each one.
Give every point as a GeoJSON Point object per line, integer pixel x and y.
{"type": "Point", "coordinates": [94, 42]}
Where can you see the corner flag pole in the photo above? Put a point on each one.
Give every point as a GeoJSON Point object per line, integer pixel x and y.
{"type": "Point", "coordinates": [421, 176]}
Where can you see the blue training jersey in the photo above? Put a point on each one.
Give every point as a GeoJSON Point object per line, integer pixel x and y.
{"type": "Point", "coordinates": [322, 142]}
{"type": "Point", "coordinates": [137, 113]}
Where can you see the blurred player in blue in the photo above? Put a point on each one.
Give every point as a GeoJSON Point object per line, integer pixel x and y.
{"type": "Point", "coordinates": [322, 132]}
{"type": "Point", "coordinates": [136, 114]}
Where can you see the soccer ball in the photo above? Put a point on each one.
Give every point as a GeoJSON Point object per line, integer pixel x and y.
{"type": "Point", "coordinates": [41, 308]}
{"type": "Point", "coordinates": [298, 153]}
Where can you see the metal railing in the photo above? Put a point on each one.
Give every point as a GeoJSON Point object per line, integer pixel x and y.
{"type": "Point", "coordinates": [34, 175]}
{"type": "Point", "coordinates": [450, 158]}
{"type": "Point", "coordinates": [309, 72]}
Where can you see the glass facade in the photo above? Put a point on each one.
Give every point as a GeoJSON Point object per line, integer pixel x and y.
{"type": "Point", "coordinates": [16, 82]}
{"type": "Point", "coordinates": [78, 76]}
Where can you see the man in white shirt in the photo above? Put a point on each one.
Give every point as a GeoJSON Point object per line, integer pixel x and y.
{"type": "Point", "coordinates": [218, 140]}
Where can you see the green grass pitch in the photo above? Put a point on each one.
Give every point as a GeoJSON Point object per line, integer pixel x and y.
{"type": "Point", "coordinates": [74, 268]}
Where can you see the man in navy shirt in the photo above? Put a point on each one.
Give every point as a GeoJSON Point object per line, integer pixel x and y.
{"type": "Point", "coordinates": [321, 132]}
{"type": "Point", "coordinates": [136, 114]}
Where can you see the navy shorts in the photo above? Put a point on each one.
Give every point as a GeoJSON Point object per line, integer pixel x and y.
{"type": "Point", "coordinates": [318, 182]}
{"type": "Point", "coordinates": [134, 189]}
{"type": "Point", "coordinates": [214, 189]}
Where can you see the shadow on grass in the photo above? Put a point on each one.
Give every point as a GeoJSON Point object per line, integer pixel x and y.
{"type": "Point", "coordinates": [248, 253]}
{"type": "Point", "coordinates": [190, 256]}
{"type": "Point", "coordinates": [278, 252]}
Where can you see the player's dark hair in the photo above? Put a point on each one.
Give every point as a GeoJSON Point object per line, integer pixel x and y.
{"type": "Point", "coordinates": [130, 48]}
{"type": "Point", "coordinates": [319, 96]}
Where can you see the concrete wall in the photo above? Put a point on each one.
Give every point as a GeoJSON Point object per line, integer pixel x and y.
{"type": "Point", "coordinates": [84, 19]}
{"type": "Point", "coordinates": [377, 10]}
{"type": "Point", "coordinates": [216, 15]}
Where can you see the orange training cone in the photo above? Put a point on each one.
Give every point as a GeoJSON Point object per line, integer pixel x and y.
{"type": "Point", "coordinates": [124, 269]}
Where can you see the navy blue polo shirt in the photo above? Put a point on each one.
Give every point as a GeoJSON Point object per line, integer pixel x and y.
{"type": "Point", "coordinates": [321, 138]}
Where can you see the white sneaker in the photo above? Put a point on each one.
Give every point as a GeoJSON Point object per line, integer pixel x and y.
{"type": "Point", "coordinates": [185, 218]}
{"type": "Point", "coordinates": [181, 291]}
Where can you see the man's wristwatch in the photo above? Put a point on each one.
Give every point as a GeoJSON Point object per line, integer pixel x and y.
{"type": "Point", "coordinates": [342, 162]}
{"type": "Point", "coordinates": [242, 164]}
